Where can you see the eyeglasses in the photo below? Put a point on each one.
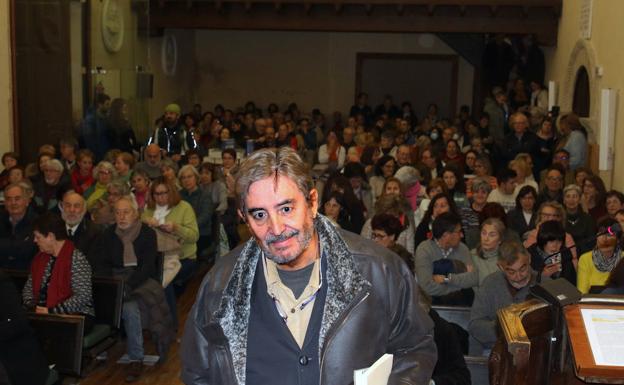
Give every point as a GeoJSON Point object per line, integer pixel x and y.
{"type": "Point", "coordinates": [105, 172]}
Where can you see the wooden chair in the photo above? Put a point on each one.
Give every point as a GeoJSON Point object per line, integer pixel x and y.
{"type": "Point", "coordinates": [521, 356]}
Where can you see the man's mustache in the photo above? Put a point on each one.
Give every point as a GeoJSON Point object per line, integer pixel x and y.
{"type": "Point", "coordinates": [281, 237]}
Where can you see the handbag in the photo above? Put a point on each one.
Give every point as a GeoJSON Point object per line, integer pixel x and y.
{"type": "Point", "coordinates": [169, 246]}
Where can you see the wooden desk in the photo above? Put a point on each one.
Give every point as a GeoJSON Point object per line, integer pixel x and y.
{"type": "Point", "coordinates": [585, 367]}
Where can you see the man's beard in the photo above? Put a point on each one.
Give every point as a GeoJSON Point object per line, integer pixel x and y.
{"type": "Point", "coordinates": [303, 237]}
{"type": "Point", "coordinates": [71, 221]}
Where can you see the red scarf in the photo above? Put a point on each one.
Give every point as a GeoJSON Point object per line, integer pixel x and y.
{"type": "Point", "coordinates": [59, 287]}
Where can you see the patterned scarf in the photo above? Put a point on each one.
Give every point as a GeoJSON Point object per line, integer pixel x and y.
{"type": "Point", "coordinates": [606, 264]}
{"type": "Point", "coordinates": [127, 237]}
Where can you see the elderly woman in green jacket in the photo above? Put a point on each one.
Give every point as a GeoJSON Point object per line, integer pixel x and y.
{"type": "Point", "coordinates": [167, 212]}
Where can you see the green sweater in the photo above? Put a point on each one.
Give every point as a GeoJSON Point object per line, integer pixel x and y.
{"type": "Point", "coordinates": [186, 229]}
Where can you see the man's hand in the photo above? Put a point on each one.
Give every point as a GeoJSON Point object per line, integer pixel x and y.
{"type": "Point", "coordinates": [41, 310]}
{"type": "Point", "coordinates": [469, 268]}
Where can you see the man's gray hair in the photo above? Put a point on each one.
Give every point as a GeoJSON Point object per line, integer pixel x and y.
{"type": "Point", "coordinates": [26, 187]}
{"type": "Point", "coordinates": [54, 164]}
{"type": "Point", "coordinates": [510, 251]}
{"type": "Point", "coordinates": [272, 162]}
{"type": "Point", "coordinates": [481, 184]}
{"type": "Point", "coordinates": [130, 199]}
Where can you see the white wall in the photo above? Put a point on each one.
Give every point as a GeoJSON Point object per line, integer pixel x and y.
{"type": "Point", "coordinates": [6, 86]}
{"type": "Point", "coordinates": [315, 69]}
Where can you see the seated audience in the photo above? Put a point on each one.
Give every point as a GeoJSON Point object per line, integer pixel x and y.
{"type": "Point", "coordinates": [167, 212]}
{"type": "Point", "coordinates": [574, 140]}
{"type": "Point", "coordinates": [386, 230]}
{"type": "Point", "coordinates": [214, 186]}
{"type": "Point", "coordinates": [9, 160]}
{"type": "Point", "coordinates": [593, 198]}
{"type": "Point", "coordinates": [68, 147]}
{"type": "Point", "coordinates": [60, 276]}
{"type": "Point", "coordinates": [500, 289]}
{"type": "Point", "coordinates": [16, 226]}
{"type": "Point", "coordinates": [394, 205]}
{"type": "Point", "coordinates": [124, 162]}
{"type": "Point", "coordinates": [332, 154]}
{"type": "Point", "coordinates": [455, 185]}
{"type": "Point", "coordinates": [578, 223]}
{"type": "Point", "coordinates": [436, 186]}
{"type": "Point", "coordinates": [202, 204]}
{"type": "Point", "coordinates": [128, 250]}
{"type": "Point", "coordinates": [49, 189]}
{"type": "Point", "coordinates": [505, 193]}
{"type": "Point", "coordinates": [595, 266]}
{"type": "Point", "coordinates": [522, 218]}
{"type": "Point", "coordinates": [546, 212]}
{"type": "Point", "coordinates": [333, 207]}
{"type": "Point", "coordinates": [614, 202]}
{"type": "Point", "coordinates": [140, 184]}
{"type": "Point", "coordinates": [384, 168]}
{"type": "Point", "coordinates": [410, 185]}
{"type": "Point", "coordinates": [169, 171]}
{"type": "Point", "coordinates": [485, 255]}
{"type": "Point", "coordinates": [80, 229]}
{"type": "Point", "coordinates": [151, 164]}
{"type": "Point", "coordinates": [103, 174]}
{"type": "Point", "coordinates": [443, 265]}
{"type": "Point", "coordinates": [553, 185]}
{"type": "Point", "coordinates": [440, 204]}
{"type": "Point", "coordinates": [470, 214]}
{"type": "Point", "coordinates": [356, 175]}
{"type": "Point", "coordinates": [549, 258]}
{"type": "Point", "coordinates": [82, 176]}
{"type": "Point", "coordinates": [524, 174]}
{"type": "Point", "coordinates": [102, 212]}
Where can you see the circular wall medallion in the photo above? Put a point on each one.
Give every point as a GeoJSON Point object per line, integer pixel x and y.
{"type": "Point", "coordinates": [169, 55]}
{"type": "Point", "coordinates": [112, 25]}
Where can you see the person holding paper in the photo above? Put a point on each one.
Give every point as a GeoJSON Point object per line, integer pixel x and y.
{"type": "Point", "coordinates": [302, 302]}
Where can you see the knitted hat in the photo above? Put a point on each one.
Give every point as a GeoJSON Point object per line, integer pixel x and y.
{"type": "Point", "coordinates": [173, 108]}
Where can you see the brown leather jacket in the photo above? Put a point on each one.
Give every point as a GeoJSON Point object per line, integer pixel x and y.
{"type": "Point", "coordinates": [371, 308]}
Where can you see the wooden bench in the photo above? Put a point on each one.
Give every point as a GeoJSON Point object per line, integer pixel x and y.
{"type": "Point", "coordinates": [62, 336]}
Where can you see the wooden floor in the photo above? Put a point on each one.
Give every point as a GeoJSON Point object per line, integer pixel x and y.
{"type": "Point", "coordinates": [166, 373]}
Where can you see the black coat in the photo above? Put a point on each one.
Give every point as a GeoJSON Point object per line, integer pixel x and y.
{"type": "Point", "coordinates": [20, 353]}
{"type": "Point", "coordinates": [516, 222]}
{"type": "Point", "coordinates": [109, 254]}
{"type": "Point", "coordinates": [85, 237]}
{"type": "Point", "coordinates": [16, 244]}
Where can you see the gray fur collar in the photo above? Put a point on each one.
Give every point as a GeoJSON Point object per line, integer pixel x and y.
{"type": "Point", "coordinates": [344, 283]}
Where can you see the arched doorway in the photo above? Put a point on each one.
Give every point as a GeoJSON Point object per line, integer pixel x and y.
{"type": "Point", "coordinates": [581, 98]}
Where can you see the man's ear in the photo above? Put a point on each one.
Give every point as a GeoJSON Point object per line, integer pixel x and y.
{"type": "Point", "coordinates": [241, 215]}
{"type": "Point", "coordinates": [314, 203]}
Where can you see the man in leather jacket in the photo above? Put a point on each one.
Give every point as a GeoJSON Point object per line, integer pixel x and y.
{"type": "Point", "coordinates": [302, 302]}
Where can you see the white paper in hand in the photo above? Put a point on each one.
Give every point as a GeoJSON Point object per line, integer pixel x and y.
{"type": "Point", "coordinates": [377, 374]}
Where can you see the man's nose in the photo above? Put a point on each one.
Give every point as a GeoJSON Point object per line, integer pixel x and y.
{"type": "Point", "coordinates": [276, 225]}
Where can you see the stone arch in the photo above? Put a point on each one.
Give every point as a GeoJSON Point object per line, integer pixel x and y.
{"type": "Point", "coordinates": [582, 55]}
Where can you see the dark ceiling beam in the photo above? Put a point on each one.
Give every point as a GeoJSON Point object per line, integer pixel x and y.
{"type": "Point", "coordinates": [546, 31]}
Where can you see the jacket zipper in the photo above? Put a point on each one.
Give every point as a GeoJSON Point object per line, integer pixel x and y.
{"type": "Point", "coordinates": [338, 326]}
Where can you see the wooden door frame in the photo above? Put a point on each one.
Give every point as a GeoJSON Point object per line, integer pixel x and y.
{"type": "Point", "coordinates": [453, 59]}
